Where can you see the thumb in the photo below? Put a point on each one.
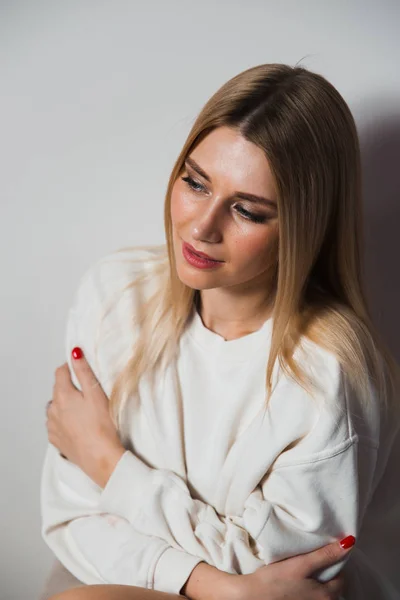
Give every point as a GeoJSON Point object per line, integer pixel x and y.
{"type": "Point", "coordinates": [324, 557]}
{"type": "Point", "coordinates": [84, 373]}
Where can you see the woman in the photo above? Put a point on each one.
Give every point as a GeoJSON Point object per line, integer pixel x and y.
{"type": "Point", "coordinates": [233, 410]}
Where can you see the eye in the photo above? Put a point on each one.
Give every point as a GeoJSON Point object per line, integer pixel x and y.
{"type": "Point", "coordinates": [198, 187]}
{"type": "Point", "coordinates": [192, 184]}
{"type": "Point", "coordinates": [251, 216]}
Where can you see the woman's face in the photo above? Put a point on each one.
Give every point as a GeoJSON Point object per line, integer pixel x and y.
{"type": "Point", "coordinates": [208, 213]}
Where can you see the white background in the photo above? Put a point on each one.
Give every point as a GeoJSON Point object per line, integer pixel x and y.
{"type": "Point", "coordinates": [96, 101]}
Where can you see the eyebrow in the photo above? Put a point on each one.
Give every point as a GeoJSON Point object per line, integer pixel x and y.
{"type": "Point", "coordinates": [242, 195]}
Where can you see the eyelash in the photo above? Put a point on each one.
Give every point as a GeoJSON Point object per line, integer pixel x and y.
{"type": "Point", "coordinates": [191, 183]}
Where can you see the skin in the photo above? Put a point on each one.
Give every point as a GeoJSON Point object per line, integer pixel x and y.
{"type": "Point", "coordinates": [236, 297]}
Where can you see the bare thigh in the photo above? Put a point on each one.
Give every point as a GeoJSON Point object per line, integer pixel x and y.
{"type": "Point", "coordinates": [114, 592]}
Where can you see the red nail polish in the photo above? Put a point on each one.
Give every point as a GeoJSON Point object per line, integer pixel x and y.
{"type": "Point", "coordinates": [348, 542]}
{"type": "Point", "coordinates": [77, 353]}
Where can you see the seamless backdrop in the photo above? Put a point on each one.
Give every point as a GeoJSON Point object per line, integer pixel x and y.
{"type": "Point", "coordinates": [96, 99]}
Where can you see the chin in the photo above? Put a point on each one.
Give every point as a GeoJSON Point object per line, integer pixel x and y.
{"type": "Point", "coordinates": [196, 281]}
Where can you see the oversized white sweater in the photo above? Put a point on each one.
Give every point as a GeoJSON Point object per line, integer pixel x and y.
{"type": "Point", "coordinates": [208, 474]}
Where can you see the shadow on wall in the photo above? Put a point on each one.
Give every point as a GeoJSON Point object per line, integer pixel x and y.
{"type": "Point", "coordinates": [380, 154]}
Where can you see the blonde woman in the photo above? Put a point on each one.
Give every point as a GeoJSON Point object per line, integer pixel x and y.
{"type": "Point", "coordinates": [227, 403]}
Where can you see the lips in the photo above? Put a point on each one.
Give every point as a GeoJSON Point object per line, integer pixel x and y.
{"type": "Point", "coordinates": [201, 254]}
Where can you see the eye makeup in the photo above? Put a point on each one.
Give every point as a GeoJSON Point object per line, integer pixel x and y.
{"type": "Point", "coordinates": [199, 188]}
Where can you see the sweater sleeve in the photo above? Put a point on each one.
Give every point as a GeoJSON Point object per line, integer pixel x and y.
{"type": "Point", "coordinates": [296, 509]}
{"type": "Point", "coordinates": [98, 547]}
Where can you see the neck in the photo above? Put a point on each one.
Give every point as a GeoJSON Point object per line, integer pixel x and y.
{"type": "Point", "coordinates": [231, 317]}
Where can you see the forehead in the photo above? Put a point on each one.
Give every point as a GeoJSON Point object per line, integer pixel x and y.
{"type": "Point", "coordinates": [227, 157]}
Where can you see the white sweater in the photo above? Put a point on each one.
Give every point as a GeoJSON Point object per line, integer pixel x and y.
{"type": "Point", "coordinates": [208, 475]}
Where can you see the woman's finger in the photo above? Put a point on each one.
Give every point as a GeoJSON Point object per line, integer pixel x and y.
{"type": "Point", "coordinates": [63, 379]}
{"type": "Point", "coordinates": [309, 564]}
{"type": "Point", "coordinates": [84, 373]}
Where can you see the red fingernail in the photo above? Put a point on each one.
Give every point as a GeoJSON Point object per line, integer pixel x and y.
{"type": "Point", "coordinates": [348, 542]}
{"type": "Point", "coordinates": [77, 353]}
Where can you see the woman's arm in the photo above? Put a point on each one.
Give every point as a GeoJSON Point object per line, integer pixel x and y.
{"type": "Point", "coordinates": [102, 548]}
{"type": "Point", "coordinates": [208, 582]}
{"type": "Point", "coordinates": [290, 579]}
{"type": "Point", "coordinates": [98, 547]}
{"type": "Point", "coordinates": [295, 509]}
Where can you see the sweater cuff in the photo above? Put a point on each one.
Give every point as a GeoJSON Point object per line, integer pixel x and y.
{"type": "Point", "coordinates": [173, 569]}
{"type": "Point", "coordinates": [123, 493]}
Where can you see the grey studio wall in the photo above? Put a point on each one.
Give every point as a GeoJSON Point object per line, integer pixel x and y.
{"type": "Point", "coordinates": [96, 100]}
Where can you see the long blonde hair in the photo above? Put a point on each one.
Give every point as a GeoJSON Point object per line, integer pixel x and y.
{"type": "Point", "coordinates": [309, 137]}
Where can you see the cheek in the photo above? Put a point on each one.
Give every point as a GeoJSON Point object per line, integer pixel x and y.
{"type": "Point", "coordinates": [254, 249]}
{"type": "Point", "coordinates": [251, 245]}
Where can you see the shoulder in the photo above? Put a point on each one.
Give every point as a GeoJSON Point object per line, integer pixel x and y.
{"type": "Point", "coordinates": [101, 318]}
{"type": "Point", "coordinates": [335, 417]}
{"type": "Point", "coordinates": [107, 278]}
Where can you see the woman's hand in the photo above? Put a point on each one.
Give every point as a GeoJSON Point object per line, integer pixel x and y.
{"type": "Point", "coordinates": [79, 424]}
{"type": "Point", "coordinates": [291, 579]}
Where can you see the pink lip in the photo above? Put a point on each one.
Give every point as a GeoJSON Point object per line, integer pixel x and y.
{"type": "Point", "coordinates": [196, 261]}
{"type": "Point", "coordinates": [201, 254]}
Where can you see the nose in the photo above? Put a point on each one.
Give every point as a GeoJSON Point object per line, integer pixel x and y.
{"type": "Point", "coordinates": [206, 228]}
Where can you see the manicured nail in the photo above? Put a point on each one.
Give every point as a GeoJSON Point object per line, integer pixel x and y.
{"type": "Point", "coordinates": [348, 542]}
{"type": "Point", "coordinates": [77, 353]}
